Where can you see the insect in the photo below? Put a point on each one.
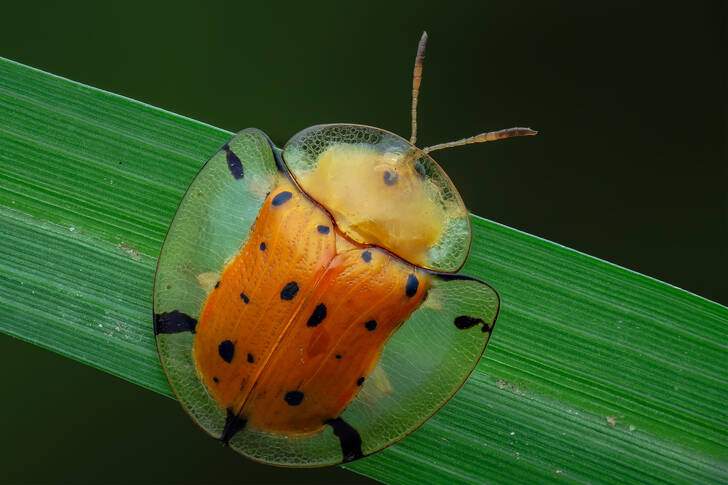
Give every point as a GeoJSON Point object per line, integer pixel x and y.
{"type": "Point", "coordinates": [307, 309]}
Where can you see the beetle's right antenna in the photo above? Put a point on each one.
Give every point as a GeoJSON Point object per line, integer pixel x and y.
{"type": "Point", "coordinates": [416, 79]}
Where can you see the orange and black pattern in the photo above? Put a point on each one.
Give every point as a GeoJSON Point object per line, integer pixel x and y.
{"type": "Point", "coordinates": [299, 318]}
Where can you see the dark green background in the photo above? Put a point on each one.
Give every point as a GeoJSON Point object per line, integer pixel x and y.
{"type": "Point", "coordinates": [629, 166]}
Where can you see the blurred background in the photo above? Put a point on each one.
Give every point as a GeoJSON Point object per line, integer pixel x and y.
{"type": "Point", "coordinates": [629, 164]}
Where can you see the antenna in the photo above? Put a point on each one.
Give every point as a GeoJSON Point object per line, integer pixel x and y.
{"type": "Point", "coordinates": [483, 137]}
{"type": "Point", "coordinates": [416, 79]}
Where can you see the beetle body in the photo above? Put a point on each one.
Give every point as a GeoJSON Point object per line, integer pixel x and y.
{"type": "Point", "coordinates": [307, 309]}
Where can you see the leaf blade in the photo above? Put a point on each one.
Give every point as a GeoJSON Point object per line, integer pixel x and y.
{"type": "Point", "coordinates": [602, 374]}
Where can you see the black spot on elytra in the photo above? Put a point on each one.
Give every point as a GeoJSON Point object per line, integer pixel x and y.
{"type": "Point", "coordinates": [216, 380]}
{"type": "Point", "coordinates": [412, 284]}
{"type": "Point", "coordinates": [233, 424]}
{"type": "Point", "coordinates": [289, 291]}
{"type": "Point", "coordinates": [293, 398]}
{"type": "Point", "coordinates": [173, 322]}
{"type": "Point", "coordinates": [282, 198]}
{"type": "Point", "coordinates": [234, 163]}
{"type": "Point", "coordinates": [217, 285]}
{"type": "Point", "coordinates": [390, 178]}
{"type": "Point", "coordinates": [262, 246]}
{"type": "Point", "coordinates": [348, 438]}
{"type": "Point", "coordinates": [226, 349]}
{"type": "Point", "coordinates": [245, 298]}
{"type": "Point", "coordinates": [360, 381]}
{"type": "Point", "coordinates": [323, 229]}
{"type": "Point", "coordinates": [338, 356]}
{"type": "Point", "coordinates": [465, 322]}
{"type": "Point", "coordinates": [366, 256]}
{"type": "Point", "coordinates": [317, 316]}
{"type": "Point", "coordinates": [371, 325]}
{"type": "Point", "coordinates": [251, 359]}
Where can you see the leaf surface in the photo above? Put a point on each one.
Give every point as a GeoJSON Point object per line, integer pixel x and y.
{"type": "Point", "coordinates": [594, 373]}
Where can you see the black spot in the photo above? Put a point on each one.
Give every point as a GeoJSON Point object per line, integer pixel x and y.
{"type": "Point", "coordinates": [317, 316]}
{"type": "Point", "coordinates": [360, 381]}
{"type": "Point", "coordinates": [293, 398]}
{"type": "Point", "coordinates": [390, 178]}
{"type": "Point", "coordinates": [465, 322]}
{"type": "Point", "coordinates": [226, 350]}
{"type": "Point", "coordinates": [282, 198]}
{"type": "Point", "coordinates": [233, 424]}
{"type": "Point", "coordinates": [412, 284]}
{"type": "Point", "coordinates": [234, 163]}
{"type": "Point", "coordinates": [250, 358]}
{"type": "Point", "coordinates": [349, 439]}
{"type": "Point", "coordinates": [366, 256]}
{"type": "Point", "coordinates": [338, 356]}
{"type": "Point", "coordinates": [217, 285]}
{"type": "Point", "coordinates": [371, 325]}
{"type": "Point", "coordinates": [262, 246]}
{"type": "Point", "coordinates": [323, 229]}
{"type": "Point", "coordinates": [216, 380]}
{"type": "Point", "coordinates": [289, 291]}
{"type": "Point", "coordinates": [245, 298]}
{"type": "Point", "coordinates": [173, 322]}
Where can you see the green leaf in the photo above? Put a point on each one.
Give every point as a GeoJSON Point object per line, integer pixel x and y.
{"type": "Point", "coordinates": [594, 373]}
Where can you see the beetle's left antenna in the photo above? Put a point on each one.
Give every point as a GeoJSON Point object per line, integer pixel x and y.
{"type": "Point", "coordinates": [416, 80]}
{"type": "Point", "coordinates": [483, 137]}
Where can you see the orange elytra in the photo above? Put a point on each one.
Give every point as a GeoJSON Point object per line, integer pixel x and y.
{"type": "Point", "coordinates": [307, 309]}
